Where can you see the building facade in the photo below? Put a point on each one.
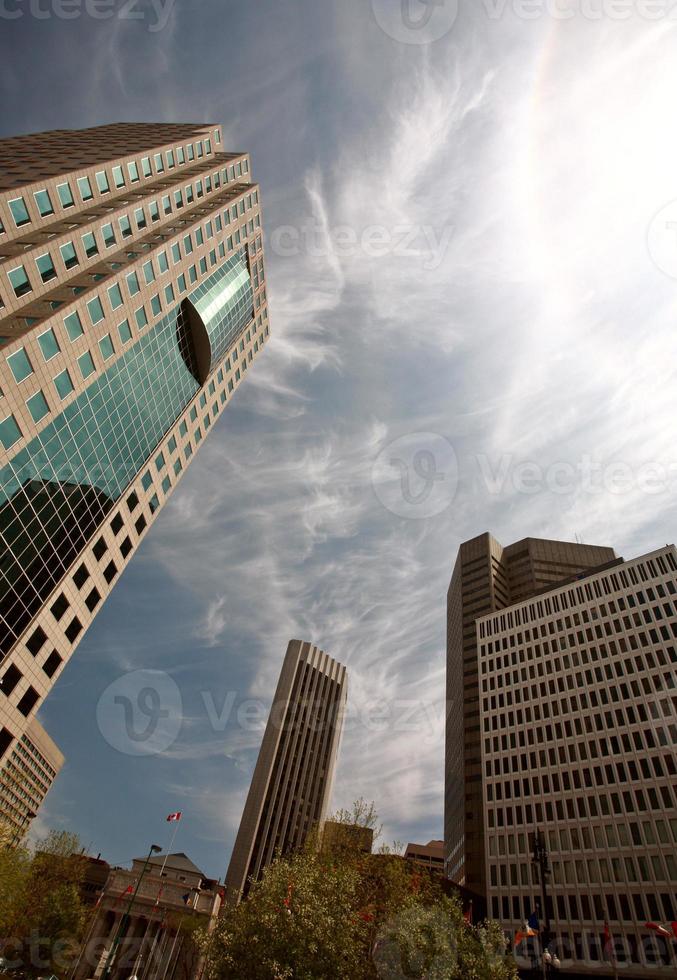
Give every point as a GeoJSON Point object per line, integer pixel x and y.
{"type": "Point", "coordinates": [430, 855]}
{"type": "Point", "coordinates": [486, 577]}
{"type": "Point", "coordinates": [31, 766]}
{"type": "Point", "coordinates": [174, 897]}
{"type": "Point", "coordinates": [292, 782]}
{"type": "Point", "coordinates": [132, 304]}
{"type": "Point", "coordinates": [578, 722]}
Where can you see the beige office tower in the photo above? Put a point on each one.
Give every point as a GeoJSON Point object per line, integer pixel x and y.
{"type": "Point", "coordinates": [578, 735]}
{"type": "Point", "coordinates": [486, 577]}
{"type": "Point", "coordinates": [292, 781]}
{"type": "Point", "coordinates": [28, 773]}
{"type": "Point", "coordinates": [132, 304]}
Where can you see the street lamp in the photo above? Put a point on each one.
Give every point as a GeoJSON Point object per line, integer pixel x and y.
{"type": "Point", "coordinates": [540, 860]}
{"type": "Point", "coordinates": [154, 849]}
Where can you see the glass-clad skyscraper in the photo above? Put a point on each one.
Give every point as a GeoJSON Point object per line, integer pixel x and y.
{"type": "Point", "coordinates": [132, 304]}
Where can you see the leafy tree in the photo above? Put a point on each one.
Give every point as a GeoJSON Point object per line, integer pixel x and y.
{"type": "Point", "coordinates": [335, 911]}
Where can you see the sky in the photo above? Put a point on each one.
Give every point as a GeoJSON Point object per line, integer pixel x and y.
{"type": "Point", "coordinates": [471, 253]}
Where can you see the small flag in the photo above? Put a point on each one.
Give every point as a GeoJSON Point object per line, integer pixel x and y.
{"type": "Point", "coordinates": [673, 926]}
{"type": "Point", "coordinates": [608, 943]}
{"type": "Point", "coordinates": [658, 929]}
{"type": "Point", "coordinates": [526, 932]}
{"type": "Point", "coordinates": [467, 915]}
{"type": "Point", "coordinates": [186, 898]}
{"type": "Point", "coordinates": [533, 922]}
{"type": "Point", "coordinates": [174, 816]}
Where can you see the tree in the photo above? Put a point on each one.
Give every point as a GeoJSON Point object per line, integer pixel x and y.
{"type": "Point", "coordinates": [336, 911]}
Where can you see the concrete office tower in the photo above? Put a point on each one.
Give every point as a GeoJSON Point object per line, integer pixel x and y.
{"type": "Point", "coordinates": [486, 577]}
{"type": "Point", "coordinates": [30, 768]}
{"type": "Point", "coordinates": [132, 303]}
{"type": "Point", "coordinates": [578, 725]}
{"type": "Point", "coordinates": [292, 781]}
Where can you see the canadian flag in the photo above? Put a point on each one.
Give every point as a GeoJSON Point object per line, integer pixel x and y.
{"type": "Point", "coordinates": [174, 816]}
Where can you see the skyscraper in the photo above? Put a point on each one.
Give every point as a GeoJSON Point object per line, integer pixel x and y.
{"type": "Point", "coordinates": [292, 781]}
{"type": "Point", "coordinates": [27, 776]}
{"type": "Point", "coordinates": [486, 577]}
{"type": "Point", "coordinates": [578, 731]}
{"type": "Point", "coordinates": [132, 303]}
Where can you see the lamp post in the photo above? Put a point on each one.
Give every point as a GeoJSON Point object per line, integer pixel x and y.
{"type": "Point", "coordinates": [154, 849]}
{"type": "Point", "coordinates": [540, 860]}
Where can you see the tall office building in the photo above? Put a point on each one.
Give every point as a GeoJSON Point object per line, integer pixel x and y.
{"type": "Point", "coordinates": [132, 303]}
{"type": "Point", "coordinates": [486, 577]}
{"type": "Point", "coordinates": [578, 725]}
{"type": "Point", "coordinates": [30, 768]}
{"type": "Point", "coordinates": [292, 781]}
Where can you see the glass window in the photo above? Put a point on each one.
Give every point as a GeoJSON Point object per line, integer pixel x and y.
{"type": "Point", "coordinates": [187, 245]}
{"type": "Point", "coordinates": [181, 283]}
{"type": "Point", "coordinates": [108, 235]}
{"type": "Point", "coordinates": [44, 203]}
{"type": "Point", "coordinates": [162, 261]}
{"type": "Point", "coordinates": [148, 272]}
{"type": "Point", "coordinates": [73, 326]}
{"type": "Point", "coordinates": [89, 244]}
{"type": "Point", "coordinates": [37, 406]}
{"type": "Point", "coordinates": [154, 211]}
{"type": "Point", "coordinates": [63, 384]}
{"type": "Point", "coordinates": [19, 281]}
{"type": "Point", "coordinates": [170, 158]}
{"type": "Point", "coordinates": [141, 318]}
{"type": "Point", "coordinates": [159, 163]}
{"type": "Point", "coordinates": [155, 305]}
{"type": "Point", "coordinates": [192, 274]}
{"type": "Point", "coordinates": [171, 445]}
{"type": "Point", "coordinates": [198, 188]}
{"type": "Point", "coordinates": [115, 296]}
{"type": "Point", "coordinates": [176, 253]}
{"type": "Point", "coordinates": [65, 195]}
{"type": "Point", "coordinates": [133, 171]}
{"type": "Point", "coordinates": [199, 237]}
{"type": "Point", "coordinates": [125, 331]}
{"type": "Point", "coordinates": [46, 267]}
{"type": "Point", "coordinates": [125, 226]}
{"type": "Point", "coordinates": [86, 364]}
{"type": "Point", "coordinates": [48, 345]}
{"type": "Point", "coordinates": [145, 166]}
{"type": "Point", "coordinates": [166, 484]}
{"type": "Point", "coordinates": [178, 199]}
{"type": "Point", "coordinates": [85, 188]}
{"type": "Point", "coordinates": [169, 294]}
{"type": "Point", "coordinates": [95, 310]}
{"type": "Point", "coordinates": [191, 151]}
{"type": "Point", "coordinates": [180, 156]}
{"type": "Point", "coordinates": [118, 176]}
{"type": "Point", "coordinates": [203, 265]}
{"type": "Point", "coordinates": [183, 429]}
{"type": "Point", "coordinates": [20, 366]}
{"type": "Point", "coordinates": [146, 480]}
{"type": "Point", "coordinates": [19, 212]}
{"type": "Point", "coordinates": [106, 347]}
{"type": "Point", "coordinates": [189, 194]}
{"type": "Point", "coordinates": [166, 204]}
{"type": "Point", "coordinates": [160, 462]}
{"type": "Point", "coordinates": [133, 284]}
{"type": "Point", "coordinates": [102, 182]}
{"type": "Point", "coordinates": [9, 432]}
{"type": "Point", "coordinates": [140, 218]}
{"type": "Point", "coordinates": [69, 255]}
{"type": "Point", "coordinates": [199, 148]}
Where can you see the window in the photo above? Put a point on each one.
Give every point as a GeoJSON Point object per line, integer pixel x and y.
{"type": "Point", "coordinates": [153, 503]}
{"type": "Point", "coordinates": [160, 462]}
{"type": "Point", "coordinates": [65, 195]}
{"type": "Point", "coordinates": [133, 171]}
{"type": "Point", "coordinates": [140, 525]}
{"type": "Point", "coordinates": [166, 204]}
{"type": "Point", "coordinates": [81, 576]}
{"type": "Point", "coordinates": [145, 166]}
{"type": "Point", "coordinates": [148, 272]}
{"type": "Point", "coordinates": [106, 347]}
{"type": "Point", "coordinates": [133, 284]}
{"type": "Point", "coordinates": [95, 310]}
{"type": "Point", "coordinates": [89, 245]}
{"type": "Point", "coordinates": [155, 305]}
{"type": "Point", "coordinates": [180, 156]}
{"type": "Point", "coordinates": [63, 384]}
{"type": "Point", "coordinates": [125, 226]}
{"type": "Point", "coordinates": [48, 345]}
{"type": "Point", "coordinates": [69, 255]}
{"type": "Point", "coordinates": [170, 158]}
{"type": "Point", "coordinates": [166, 484]}
{"type": "Point", "coordinates": [36, 641]}
{"type": "Point", "coordinates": [176, 253]}
{"type": "Point", "coordinates": [132, 501]}
{"type": "Point", "coordinates": [73, 326]}
{"type": "Point", "coordinates": [181, 283]}
{"type": "Point", "coordinates": [20, 366]}
{"type": "Point", "coordinates": [108, 235]}
{"type": "Point", "coordinates": [125, 547]}
{"type": "Point", "coordinates": [73, 629]}
{"type": "Point", "coordinates": [140, 218]}
{"type": "Point", "coordinates": [52, 664]}
{"type": "Point", "coordinates": [154, 211]}
{"type": "Point", "coordinates": [9, 432]}
{"type": "Point", "coordinates": [19, 281]}
{"type": "Point", "coordinates": [141, 318]}
{"type": "Point", "coordinates": [114, 296]}
{"type": "Point", "coordinates": [28, 701]}
{"type": "Point", "coordinates": [178, 199]}
{"type": "Point", "coordinates": [59, 607]}
{"type": "Point", "coordinates": [187, 245]}
{"type": "Point", "coordinates": [46, 267]}
{"type": "Point", "coordinates": [162, 262]}
{"type": "Point", "coordinates": [125, 331]}
{"type": "Point", "coordinates": [44, 203]}
{"type": "Point", "coordinates": [100, 549]}
{"type": "Point", "coordinates": [118, 177]}
{"type": "Point", "coordinates": [159, 163]}
{"type": "Point", "coordinates": [37, 406]}
{"type": "Point", "coordinates": [93, 599]}
{"type": "Point", "coordinates": [10, 679]}
{"type": "Point", "coordinates": [85, 188]}
{"type": "Point", "coordinates": [110, 571]}
{"type": "Point", "coordinates": [169, 294]}
{"type": "Point", "coordinates": [191, 151]}
{"type": "Point", "coordinates": [86, 364]}
{"type": "Point", "coordinates": [102, 182]}
{"type": "Point", "coordinates": [19, 212]}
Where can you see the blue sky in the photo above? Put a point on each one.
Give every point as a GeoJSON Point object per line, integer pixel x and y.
{"type": "Point", "coordinates": [471, 273]}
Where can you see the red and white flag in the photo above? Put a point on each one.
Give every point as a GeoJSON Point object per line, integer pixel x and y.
{"type": "Point", "coordinates": [174, 816]}
{"type": "Point", "coordinates": [659, 929]}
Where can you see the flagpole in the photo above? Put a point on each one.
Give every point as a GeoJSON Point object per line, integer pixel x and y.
{"type": "Point", "coordinates": [171, 844]}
